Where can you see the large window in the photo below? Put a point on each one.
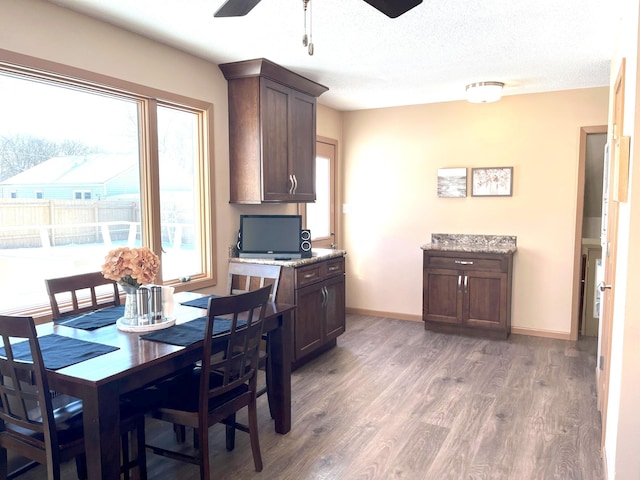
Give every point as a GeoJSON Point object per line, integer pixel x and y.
{"type": "Point", "coordinates": [87, 167]}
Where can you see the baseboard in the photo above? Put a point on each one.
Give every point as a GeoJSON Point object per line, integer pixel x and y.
{"type": "Point", "coordinates": [377, 313]}
{"type": "Point", "coordinates": [418, 318]}
{"type": "Point", "coordinates": [540, 333]}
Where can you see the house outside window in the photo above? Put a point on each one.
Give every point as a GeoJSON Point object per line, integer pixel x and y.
{"type": "Point", "coordinates": [121, 168]}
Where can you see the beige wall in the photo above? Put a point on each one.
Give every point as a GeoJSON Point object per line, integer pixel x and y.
{"type": "Point", "coordinates": [391, 159]}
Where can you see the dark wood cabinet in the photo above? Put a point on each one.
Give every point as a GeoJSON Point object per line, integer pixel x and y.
{"type": "Point", "coordinates": [272, 133]}
{"type": "Point", "coordinates": [318, 290]}
{"type": "Point", "coordinates": [467, 292]}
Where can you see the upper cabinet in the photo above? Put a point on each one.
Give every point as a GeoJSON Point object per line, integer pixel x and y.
{"type": "Point", "coordinates": [272, 133]}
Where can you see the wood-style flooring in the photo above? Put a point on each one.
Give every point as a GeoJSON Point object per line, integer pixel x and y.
{"type": "Point", "coordinates": [393, 401]}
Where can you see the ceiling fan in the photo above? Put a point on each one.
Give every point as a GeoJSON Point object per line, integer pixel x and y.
{"type": "Point", "coordinates": [391, 8]}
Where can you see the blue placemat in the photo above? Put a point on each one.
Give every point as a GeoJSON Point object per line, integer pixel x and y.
{"type": "Point", "coordinates": [190, 332]}
{"type": "Point", "coordinates": [202, 302]}
{"type": "Point", "coordinates": [59, 351]}
{"type": "Point", "coordinates": [93, 320]}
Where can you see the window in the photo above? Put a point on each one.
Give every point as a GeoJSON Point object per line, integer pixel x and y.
{"type": "Point", "coordinates": [319, 217]}
{"type": "Point", "coordinates": [120, 167]}
{"type": "Point", "coordinates": [81, 195]}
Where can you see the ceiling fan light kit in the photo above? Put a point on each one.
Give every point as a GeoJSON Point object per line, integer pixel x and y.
{"type": "Point", "coordinates": [484, 92]}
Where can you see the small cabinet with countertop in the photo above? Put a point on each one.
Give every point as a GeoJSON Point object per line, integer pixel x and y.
{"type": "Point", "coordinates": [467, 284]}
{"type": "Point", "coordinates": [316, 286]}
{"type": "Point", "coordinates": [272, 133]}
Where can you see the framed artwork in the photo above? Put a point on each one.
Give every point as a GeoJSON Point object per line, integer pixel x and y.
{"type": "Point", "coordinates": [492, 182]}
{"type": "Point", "coordinates": [452, 182]}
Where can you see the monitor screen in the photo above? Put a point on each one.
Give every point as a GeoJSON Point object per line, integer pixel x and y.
{"type": "Point", "coordinates": [270, 235]}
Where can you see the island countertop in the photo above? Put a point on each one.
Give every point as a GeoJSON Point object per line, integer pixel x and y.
{"type": "Point", "coordinates": [317, 255]}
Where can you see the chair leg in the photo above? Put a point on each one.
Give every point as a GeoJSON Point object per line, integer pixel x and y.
{"type": "Point", "coordinates": [230, 431]}
{"type": "Point", "coordinates": [4, 464]}
{"type": "Point", "coordinates": [253, 435]}
{"type": "Point", "coordinates": [180, 432]}
{"type": "Point", "coordinates": [125, 462]}
{"type": "Point", "coordinates": [203, 453]}
{"type": "Point", "coordinates": [81, 466]}
{"type": "Point", "coordinates": [138, 445]}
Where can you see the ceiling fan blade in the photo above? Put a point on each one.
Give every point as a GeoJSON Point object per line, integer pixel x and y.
{"type": "Point", "coordinates": [235, 8]}
{"type": "Point", "coordinates": [394, 8]}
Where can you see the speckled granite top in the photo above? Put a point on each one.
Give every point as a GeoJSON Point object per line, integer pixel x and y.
{"type": "Point", "coordinates": [504, 244]}
{"type": "Point", "coordinates": [318, 254]}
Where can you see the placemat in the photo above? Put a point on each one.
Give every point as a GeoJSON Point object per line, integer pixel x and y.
{"type": "Point", "coordinates": [202, 302]}
{"type": "Point", "coordinates": [93, 320]}
{"type": "Point", "coordinates": [190, 332]}
{"type": "Point", "coordinates": [59, 351]}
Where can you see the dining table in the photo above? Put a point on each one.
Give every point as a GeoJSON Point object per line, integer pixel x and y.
{"type": "Point", "coordinates": [109, 362]}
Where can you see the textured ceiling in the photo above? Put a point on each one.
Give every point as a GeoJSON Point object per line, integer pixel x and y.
{"type": "Point", "coordinates": [369, 60]}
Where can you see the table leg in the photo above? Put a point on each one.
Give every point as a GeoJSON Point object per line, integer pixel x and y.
{"type": "Point", "coordinates": [281, 346]}
{"type": "Point", "coordinates": [101, 421]}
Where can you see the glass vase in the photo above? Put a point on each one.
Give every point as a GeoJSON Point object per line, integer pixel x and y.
{"type": "Point", "coordinates": [130, 305]}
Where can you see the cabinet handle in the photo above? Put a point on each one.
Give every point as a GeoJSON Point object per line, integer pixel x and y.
{"type": "Point", "coordinates": [295, 183]}
{"type": "Point", "coordinates": [459, 281]}
{"type": "Point", "coordinates": [466, 283]}
{"type": "Point", "coordinates": [335, 267]}
{"type": "Point", "coordinates": [292, 185]}
{"type": "Point", "coordinates": [463, 262]}
{"type": "Point", "coordinates": [324, 296]}
{"type": "Point", "coordinates": [309, 275]}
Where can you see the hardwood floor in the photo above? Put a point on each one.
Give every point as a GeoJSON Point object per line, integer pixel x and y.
{"type": "Point", "coordinates": [393, 401]}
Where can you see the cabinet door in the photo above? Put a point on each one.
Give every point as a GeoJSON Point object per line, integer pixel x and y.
{"type": "Point", "coordinates": [309, 319]}
{"type": "Point", "coordinates": [302, 157]}
{"type": "Point", "coordinates": [274, 126]}
{"type": "Point", "coordinates": [334, 309]}
{"type": "Point", "coordinates": [442, 295]}
{"type": "Point", "coordinates": [485, 296]}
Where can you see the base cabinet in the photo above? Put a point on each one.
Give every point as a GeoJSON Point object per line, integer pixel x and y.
{"type": "Point", "coordinates": [318, 291]}
{"type": "Point", "coordinates": [467, 293]}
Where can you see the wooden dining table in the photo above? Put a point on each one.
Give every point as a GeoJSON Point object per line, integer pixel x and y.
{"type": "Point", "coordinates": [100, 381]}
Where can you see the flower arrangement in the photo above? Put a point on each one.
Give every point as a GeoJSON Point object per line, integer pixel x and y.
{"type": "Point", "coordinates": [131, 267]}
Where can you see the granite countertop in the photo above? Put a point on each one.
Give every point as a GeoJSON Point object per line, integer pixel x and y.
{"type": "Point", "coordinates": [317, 255]}
{"type": "Point", "coordinates": [502, 244]}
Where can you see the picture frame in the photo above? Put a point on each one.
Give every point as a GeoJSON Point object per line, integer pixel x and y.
{"type": "Point", "coordinates": [452, 182]}
{"type": "Point", "coordinates": [492, 182]}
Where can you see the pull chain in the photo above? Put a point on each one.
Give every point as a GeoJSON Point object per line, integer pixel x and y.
{"type": "Point", "coordinates": [307, 40]}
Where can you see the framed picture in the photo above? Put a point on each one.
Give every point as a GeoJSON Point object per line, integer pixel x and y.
{"type": "Point", "coordinates": [492, 182]}
{"type": "Point", "coordinates": [452, 182]}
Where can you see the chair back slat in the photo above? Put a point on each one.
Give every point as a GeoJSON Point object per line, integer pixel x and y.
{"type": "Point", "coordinates": [239, 362]}
{"type": "Point", "coordinates": [245, 277]}
{"type": "Point", "coordinates": [81, 293]}
{"type": "Point", "coordinates": [25, 401]}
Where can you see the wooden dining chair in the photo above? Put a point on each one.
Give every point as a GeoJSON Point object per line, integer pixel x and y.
{"type": "Point", "coordinates": [222, 384]}
{"type": "Point", "coordinates": [245, 277]}
{"type": "Point", "coordinates": [31, 425]}
{"type": "Point", "coordinates": [81, 293]}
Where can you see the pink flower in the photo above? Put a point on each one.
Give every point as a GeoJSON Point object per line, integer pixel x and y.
{"type": "Point", "coordinates": [131, 266]}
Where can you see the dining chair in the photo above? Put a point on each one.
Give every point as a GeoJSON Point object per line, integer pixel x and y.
{"type": "Point", "coordinates": [33, 427]}
{"type": "Point", "coordinates": [245, 277]}
{"type": "Point", "coordinates": [81, 293]}
{"type": "Point", "coordinates": [222, 384]}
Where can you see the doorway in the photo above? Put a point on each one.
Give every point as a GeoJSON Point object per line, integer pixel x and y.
{"type": "Point", "coordinates": [588, 227]}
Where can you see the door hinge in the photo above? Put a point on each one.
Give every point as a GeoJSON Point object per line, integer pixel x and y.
{"type": "Point", "coordinates": [601, 363]}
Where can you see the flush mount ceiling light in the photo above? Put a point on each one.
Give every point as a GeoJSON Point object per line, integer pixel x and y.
{"type": "Point", "coordinates": [484, 92]}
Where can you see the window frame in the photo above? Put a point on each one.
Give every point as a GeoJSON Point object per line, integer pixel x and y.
{"type": "Point", "coordinates": [148, 99]}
